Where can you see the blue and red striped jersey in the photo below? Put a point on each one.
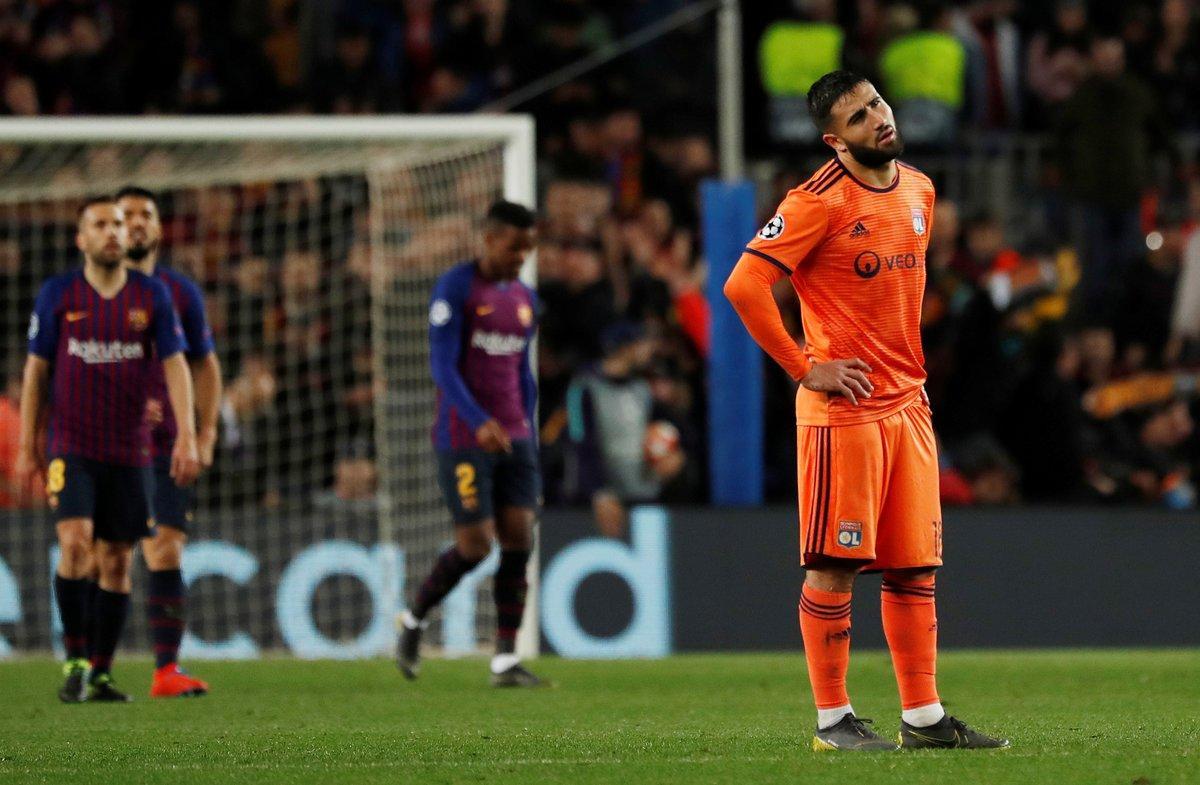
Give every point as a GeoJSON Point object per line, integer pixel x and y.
{"type": "Point", "coordinates": [188, 301]}
{"type": "Point", "coordinates": [103, 354]}
{"type": "Point", "coordinates": [480, 333]}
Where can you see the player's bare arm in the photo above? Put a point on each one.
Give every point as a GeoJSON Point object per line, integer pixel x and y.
{"type": "Point", "coordinates": [185, 458]}
{"type": "Point", "coordinates": [34, 384]}
{"type": "Point", "coordinates": [206, 377]}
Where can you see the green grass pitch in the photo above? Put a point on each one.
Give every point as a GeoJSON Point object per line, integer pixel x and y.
{"type": "Point", "coordinates": [1120, 717]}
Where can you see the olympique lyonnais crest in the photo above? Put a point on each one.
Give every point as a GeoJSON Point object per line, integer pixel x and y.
{"type": "Point", "coordinates": [918, 221]}
{"type": "Point", "coordinates": [849, 534]}
{"type": "Point", "coordinates": [139, 319]}
{"type": "Point", "coordinates": [525, 314]}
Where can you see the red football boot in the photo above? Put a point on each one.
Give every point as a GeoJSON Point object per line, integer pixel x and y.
{"type": "Point", "coordinates": [171, 681]}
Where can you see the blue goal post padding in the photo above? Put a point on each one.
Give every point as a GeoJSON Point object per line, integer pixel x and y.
{"type": "Point", "coordinates": [735, 383]}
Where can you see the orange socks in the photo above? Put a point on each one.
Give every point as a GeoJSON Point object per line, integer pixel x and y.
{"type": "Point", "coordinates": [825, 625]}
{"type": "Point", "coordinates": [910, 624]}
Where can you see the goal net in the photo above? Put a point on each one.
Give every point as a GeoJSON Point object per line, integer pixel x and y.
{"type": "Point", "coordinates": [317, 243]}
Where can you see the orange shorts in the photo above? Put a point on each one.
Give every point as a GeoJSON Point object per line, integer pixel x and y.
{"type": "Point", "coordinates": [869, 492]}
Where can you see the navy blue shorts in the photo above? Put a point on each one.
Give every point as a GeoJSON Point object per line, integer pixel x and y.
{"type": "Point", "coordinates": [115, 498]}
{"type": "Point", "coordinates": [173, 506]}
{"type": "Point", "coordinates": [476, 482]}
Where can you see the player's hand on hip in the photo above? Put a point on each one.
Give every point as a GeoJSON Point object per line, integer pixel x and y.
{"type": "Point", "coordinates": [493, 438]}
{"type": "Point", "coordinates": [841, 377]}
{"type": "Point", "coordinates": [206, 445]}
{"type": "Point", "coordinates": [185, 460]}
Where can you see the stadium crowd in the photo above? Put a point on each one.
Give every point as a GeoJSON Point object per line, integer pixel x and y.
{"type": "Point", "coordinates": [1063, 365]}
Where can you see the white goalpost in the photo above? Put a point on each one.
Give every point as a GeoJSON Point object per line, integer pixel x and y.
{"type": "Point", "coordinates": [317, 241]}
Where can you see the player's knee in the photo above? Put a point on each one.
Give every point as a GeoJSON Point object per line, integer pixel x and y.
{"type": "Point", "coordinates": [114, 562]}
{"type": "Point", "coordinates": [921, 575]}
{"type": "Point", "coordinates": [75, 555]}
{"type": "Point", "coordinates": [518, 540]}
{"type": "Point", "coordinates": [164, 551]}
{"type": "Point", "coordinates": [837, 578]}
{"type": "Point", "coordinates": [516, 529]}
{"type": "Point", "coordinates": [474, 542]}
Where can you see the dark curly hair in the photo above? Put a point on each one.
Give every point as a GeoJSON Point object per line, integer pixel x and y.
{"type": "Point", "coordinates": [827, 91]}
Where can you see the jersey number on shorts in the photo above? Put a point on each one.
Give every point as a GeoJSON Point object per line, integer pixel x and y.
{"type": "Point", "coordinates": [56, 476]}
{"type": "Point", "coordinates": [468, 494]}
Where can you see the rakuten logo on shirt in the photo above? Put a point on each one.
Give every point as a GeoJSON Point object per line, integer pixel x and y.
{"type": "Point", "coordinates": [498, 343]}
{"type": "Point", "coordinates": [95, 352]}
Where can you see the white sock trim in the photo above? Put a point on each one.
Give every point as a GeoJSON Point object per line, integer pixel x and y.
{"type": "Point", "coordinates": [502, 662]}
{"type": "Point", "coordinates": [827, 718]}
{"type": "Point", "coordinates": [923, 716]}
{"type": "Point", "coordinates": [412, 622]}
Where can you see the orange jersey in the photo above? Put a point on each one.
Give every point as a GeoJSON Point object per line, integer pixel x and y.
{"type": "Point", "coordinates": [855, 255]}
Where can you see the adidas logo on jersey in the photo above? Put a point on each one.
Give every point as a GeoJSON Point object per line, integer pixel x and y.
{"type": "Point", "coordinates": [859, 231]}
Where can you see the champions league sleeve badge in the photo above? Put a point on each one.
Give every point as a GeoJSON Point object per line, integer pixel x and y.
{"type": "Point", "coordinates": [773, 229]}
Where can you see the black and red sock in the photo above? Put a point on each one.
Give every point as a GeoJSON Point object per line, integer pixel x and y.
{"type": "Point", "coordinates": [166, 606]}
{"type": "Point", "coordinates": [445, 575]}
{"type": "Point", "coordinates": [92, 588]}
{"type": "Point", "coordinates": [509, 588]}
{"type": "Point", "coordinates": [72, 597]}
{"type": "Point", "coordinates": [111, 610]}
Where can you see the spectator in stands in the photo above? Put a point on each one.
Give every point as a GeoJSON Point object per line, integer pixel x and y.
{"type": "Point", "coordinates": [984, 470]}
{"type": "Point", "coordinates": [1044, 426]}
{"type": "Point", "coordinates": [1184, 344]}
{"type": "Point", "coordinates": [924, 78]}
{"type": "Point", "coordinates": [20, 96]}
{"type": "Point", "coordinates": [1143, 457]}
{"type": "Point", "coordinates": [792, 55]}
{"type": "Point", "coordinates": [610, 407]}
{"type": "Point", "coordinates": [1058, 60]}
{"type": "Point", "coordinates": [1108, 134]}
{"type": "Point", "coordinates": [282, 49]}
{"type": "Point", "coordinates": [12, 495]}
{"type": "Point", "coordinates": [350, 83]}
{"type": "Point", "coordinates": [248, 433]}
{"type": "Point", "coordinates": [981, 371]}
{"type": "Point", "coordinates": [675, 403]}
{"type": "Point", "coordinates": [578, 302]}
{"type": "Point", "coordinates": [1143, 322]}
{"type": "Point", "coordinates": [1175, 70]}
{"type": "Point", "coordinates": [993, 46]}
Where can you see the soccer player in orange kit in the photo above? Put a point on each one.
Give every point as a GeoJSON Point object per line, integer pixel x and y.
{"type": "Point", "coordinates": [852, 239]}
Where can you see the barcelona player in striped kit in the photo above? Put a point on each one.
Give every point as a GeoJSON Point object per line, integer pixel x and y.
{"type": "Point", "coordinates": [173, 504]}
{"type": "Point", "coordinates": [481, 323]}
{"type": "Point", "coordinates": [96, 338]}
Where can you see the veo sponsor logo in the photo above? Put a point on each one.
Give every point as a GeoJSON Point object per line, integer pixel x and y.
{"type": "Point", "coordinates": [868, 263]}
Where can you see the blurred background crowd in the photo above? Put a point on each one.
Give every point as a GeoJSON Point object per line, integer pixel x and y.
{"type": "Point", "coordinates": [1062, 316]}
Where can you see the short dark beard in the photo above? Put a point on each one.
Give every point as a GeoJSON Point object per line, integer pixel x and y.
{"type": "Point", "coordinates": [136, 253]}
{"type": "Point", "coordinates": [874, 158]}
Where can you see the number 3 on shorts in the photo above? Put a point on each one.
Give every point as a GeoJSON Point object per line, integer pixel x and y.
{"type": "Point", "coordinates": [56, 476]}
{"type": "Point", "coordinates": [467, 492]}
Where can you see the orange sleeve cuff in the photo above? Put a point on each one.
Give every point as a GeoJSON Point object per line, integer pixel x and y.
{"type": "Point", "coordinates": [749, 290]}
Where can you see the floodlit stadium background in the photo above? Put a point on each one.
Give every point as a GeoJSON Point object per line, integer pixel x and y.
{"type": "Point", "coordinates": [1062, 319]}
